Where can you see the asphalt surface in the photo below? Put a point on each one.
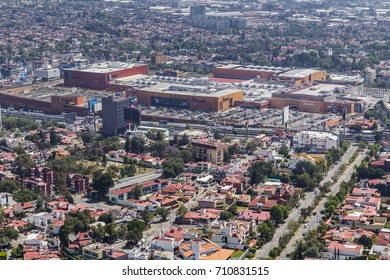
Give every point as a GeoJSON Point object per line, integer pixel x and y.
{"type": "Point", "coordinates": [295, 214]}
{"type": "Point", "coordinates": [137, 179]}
{"type": "Point", "coordinates": [313, 221]}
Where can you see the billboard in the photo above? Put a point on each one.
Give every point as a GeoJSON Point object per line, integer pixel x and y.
{"type": "Point", "coordinates": [91, 104]}
{"type": "Point", "coordinates": [286, 113]}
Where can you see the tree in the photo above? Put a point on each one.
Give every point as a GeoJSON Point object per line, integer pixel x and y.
{"type": "Point", "coordinates": [357, 128]}
{"type": "Point", "coordinates": [217, 134]}
{"type": "Point", "coordinates": [251, 147]}
{"type": "Point", "coordinates": [135, 230]}
{"type": "Point", "coordinates": [102, 182]}
{"type": "Point", "coordinates": [54, 138]}
{"type": "Point", "coordinates": [98, 232]}
{"type": "Point", "coordinates": [259, 171]}
{"type": "Point", "coordinates": [265, 231]}
{"type": "Point", "coordinates": [312, 252]}
{"type": "Point", "coordinates": [186, 155]}
{"type": "Point", "coordinates": [2, 215]}
{"type": "Point", "coordinates": [277, 214]}
{"type": "Point", "coordinates": [378, 136]}
{"type": "Point", "coordinates": [128, 145]}
{"type": "Point", "coordinates": [7, 234]}
{"type": "Point", "coordinates": [146, 216]}
{"type": "Point", "coordinates": [9, 186]}
{"type": "Point", "coordinates": [87, 137]}
{"type": "Point", "coordinates": [181, 211]}
{"type": "Point", "coordinates": [185, 140]}
{"type": "Point", "coordinates": [284, 150]}
{"type": "Point", "coordinates": [158, 148]}
{"type": "Point", "coordinates": [111, 232]}
{"type": "Point", "coordinates": [163, 213]}
{"type": "Point", "coordinates": [292, 225]}
{"type": "Point", "coordinates": [104, 160]}
{"type": "Point", "coordinates": [306, 182]}
{"type": "Point", "coordinates": [330, 210]}
{"type": "Point", "coordinates": [106, 218]}
{"type": "Point", "coordinates": [226, 216]}
{"type": "Point", "coordinates": [172, 167]}
{"type": "Point", "coordinates": [365, 241]}
{"type": "Point", "coordinates": [137, 191]}
{"type": "Point", "coordinates": [69, 197]}
{"type": "Point", "coordinates": [137, 145]}
{"type": "Point", "coordinates": [122, 231]}
{"type": "Point", "coordinates": [21, 164]}
{"type": "Point", "coordinates": [60, 183]}
{"type": "Point", "coordinates": [128, 170]}
{"type": "Point", "coordinates": [159, 136]}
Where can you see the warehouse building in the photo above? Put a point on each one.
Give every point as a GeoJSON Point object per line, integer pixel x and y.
{"type": "Point", "coordinates": [99, 75]}
{"type": "Point", "coordinates": [247, 72]}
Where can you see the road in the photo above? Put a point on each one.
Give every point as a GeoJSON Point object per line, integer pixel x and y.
{"type": "Point", "coordinates": [313, 220]}
{"type": "Point", "coordinates": [137, 179]}
{"type": "Point", "coordinates": [35, 116]}
{"type": "Point", "coordinates": [295, 214]}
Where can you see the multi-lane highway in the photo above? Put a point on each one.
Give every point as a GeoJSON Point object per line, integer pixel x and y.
{"type": "Point", "coordinates": [295, 214]}
{"type": "Point", "coordinates": [313, 221]}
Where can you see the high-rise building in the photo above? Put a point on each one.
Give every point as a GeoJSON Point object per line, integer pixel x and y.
{"type": "Point", "coordinates": [113, 113]}
{"type": "Point", "coordinates": [369, 75]}
{"type": "Point", "coordinates": [157, 58]}
{"type": "Point", "coordinates": [197, 11]}
{"type": "Point", "coordinates": [133, 115]}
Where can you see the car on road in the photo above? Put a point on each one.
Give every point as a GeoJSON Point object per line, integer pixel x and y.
{"type": "Point", "coordinates": [306, 226]}
{"type": "Point", "coordinates": [314, 213]}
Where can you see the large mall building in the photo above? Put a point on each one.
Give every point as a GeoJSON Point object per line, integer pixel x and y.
{"type": "Point", "coordinates": [319, 98]}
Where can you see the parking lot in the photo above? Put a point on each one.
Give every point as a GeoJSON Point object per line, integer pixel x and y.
{"type": "Point", "coordinates": [240, 117]}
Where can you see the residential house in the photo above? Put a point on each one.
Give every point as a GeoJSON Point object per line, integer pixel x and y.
{"type": "Point", "coordinates": [214, 202]}
{"type": "Point", "coordinates": [231, 234]}
{"type": "Point", "coordinates": [24, 207]}
{"type": "Point", "coordinates": [203, 216]}
{"type": "Point", "coordinates": [6, 199]}
{"type": "Point", "coordinates": [382, 243]}
{"type": "Point", "coordinates": [203, 249]}
{"type": "Point", "coordinates": [253, 215]}
{"type": "Point", "coordinates": [342, 251]}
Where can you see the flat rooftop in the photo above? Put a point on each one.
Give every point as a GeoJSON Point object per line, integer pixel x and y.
{"type": "Point", "coordinates": [299, 73]}
{"type": "Point", "coordinates": [189, 90]}
{"type": "Point", "coordinates": [255, 68]}
{"type": "Point", "coordinates": [129, 79]}
{"type": "Point", "coordinates": [319, 134]}
{"type": "Point", "coordinates": [318, 90]}
{"type": "Point", "coordinates": [104, 67]}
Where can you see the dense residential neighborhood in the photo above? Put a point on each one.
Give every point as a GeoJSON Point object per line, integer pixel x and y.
{"type": "Point", "coordinates": [194, 130]}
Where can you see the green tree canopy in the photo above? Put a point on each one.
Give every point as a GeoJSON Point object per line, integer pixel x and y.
{"type": "Point", "coordinates": [102, 182]}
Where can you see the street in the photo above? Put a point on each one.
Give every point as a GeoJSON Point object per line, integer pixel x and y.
{"type": "Point", "coordinates": [295, 214]}
{"type": "Point", "coordinates": [313, 220]}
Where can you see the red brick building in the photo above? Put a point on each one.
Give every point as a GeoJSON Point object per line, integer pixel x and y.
{"type": "Point", "coordinates": [99, 75]}
{"type": "Point", "coordinates": [46, 174]}
{"type": "Point", "coordinates": [77, 183]}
